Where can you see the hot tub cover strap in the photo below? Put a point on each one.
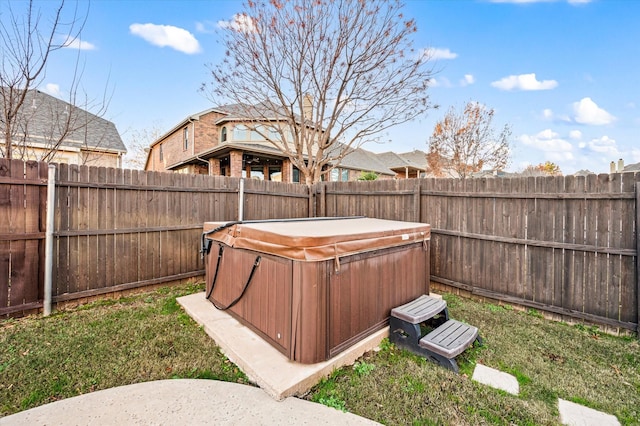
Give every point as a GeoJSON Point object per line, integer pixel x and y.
{"type": "Point", "coordinates": [215, 275]}
{"type": "Point", "coordinates": [244, 289]}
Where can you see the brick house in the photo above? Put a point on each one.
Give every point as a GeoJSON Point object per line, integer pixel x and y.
{"type": "Point", "coordinates": [53, 130]}
{"type": "Point", "coordinates": [218, 142]}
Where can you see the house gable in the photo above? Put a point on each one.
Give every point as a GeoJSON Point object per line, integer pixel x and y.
{"type": "Point", "coordinates": [90, 139]}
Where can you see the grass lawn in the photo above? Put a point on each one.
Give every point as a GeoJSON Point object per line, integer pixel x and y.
{"type": "Point", "coordinates": [148, 337]}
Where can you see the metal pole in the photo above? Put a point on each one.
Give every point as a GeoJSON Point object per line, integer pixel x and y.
{"type": "Point", "coordinates": [241, 201]}
{"type": "Point", "coordinates": [48, 264]}
{"type": "Point", "coordinates": [637, 185]}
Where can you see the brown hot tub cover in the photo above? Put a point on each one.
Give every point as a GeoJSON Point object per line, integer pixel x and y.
{"type": "Point", "coordinates": [319, 239]}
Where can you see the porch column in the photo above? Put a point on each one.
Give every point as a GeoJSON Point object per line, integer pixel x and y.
{"type": "Point", "coordinates": [235, 160]}
{"type": "Point", "coordinates": [214, 167]}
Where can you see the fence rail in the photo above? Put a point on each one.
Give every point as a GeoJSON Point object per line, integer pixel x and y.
{"type": "Point", "coordinates": [566, 245]}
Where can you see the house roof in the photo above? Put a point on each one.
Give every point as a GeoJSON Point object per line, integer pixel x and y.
{"type": "Point", "coordinates": [41, 115]}
{"type": "Point", "coordinates": [583, 172]}
{"type": "Point", "coordinates": [403, 161]}
{"type": "Point", "coordinates": [632, 168]}
{"type": "Point", "coordinates": [361, 159]}
{"type": "Point", "coordinates": [492, 174]}
{"type": "Point", "coordinates": [417, 157]}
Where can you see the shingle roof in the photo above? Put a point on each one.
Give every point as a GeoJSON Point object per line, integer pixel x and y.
{"type": "Point", "coordinates": [43, 116]}
{"type": "Point", "coordinates": [400, 161]}
{"type": "Point", "coordinates": [364, 160]}
{"type": "Point", "coordinates": [632, 168]}
{"type": "Point", "coordinates": [583, 172]}
{"type": "Point", "coordinates": [417, 157]}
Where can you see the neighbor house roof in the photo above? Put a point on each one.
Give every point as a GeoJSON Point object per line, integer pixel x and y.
{"type": "Point", "coordinates": [42, 116]}
{"type": "Point", "coordinates": [417, 157]}
{"type": "Point", "coordinates": [361, 159]}
{"type": "Point", "coordinates": [583, 172]}
{"type": "Point", "coordinates": [632, 168]}
{"type": "Point", "coordinates": [400, 162]}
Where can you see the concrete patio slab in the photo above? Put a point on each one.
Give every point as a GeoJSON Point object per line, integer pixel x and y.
{"type": "Point", "coordinates": [578, 415]}
{"type": "Point", "coordinates": [182, 402]}
{"type": "Point", "coordinates": [496, 379]}
{"type": "Point", "coordinates": [262, 363]}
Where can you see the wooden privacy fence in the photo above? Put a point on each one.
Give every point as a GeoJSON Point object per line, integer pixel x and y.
{"type": "Point", "coordinates": [566, 245]}
{"type": "Point", "coordinates": [22, 231]}
{"type": "Point", "coordinates": [116, 229]}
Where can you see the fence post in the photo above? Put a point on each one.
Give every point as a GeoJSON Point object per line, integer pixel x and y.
{"type": "Point", "coordinates": [416, 202]}
{"type": "Point", "coordinates": [241, 200]}
{"type": "Point", "coordinates": [48, 250]}
{"type": "Point", "coordinates": [323, 200]}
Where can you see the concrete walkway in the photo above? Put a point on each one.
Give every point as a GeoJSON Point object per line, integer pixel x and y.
{"type": "Point", "coordinates": [182, 402]}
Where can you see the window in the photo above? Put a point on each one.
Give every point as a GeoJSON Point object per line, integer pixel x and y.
{"type": "Point", "coordinates": [296, 175]}
{"type": "Point", "coordinates": [223, 134]}
{"type": "Point", "coordinates": [185, 133]}
{"type": "Point", "coordinates": [160, 153]}
{"type": "Point", "coordinates": [339, 175]}
{"type": "Point", "coordinates": [240, 133]}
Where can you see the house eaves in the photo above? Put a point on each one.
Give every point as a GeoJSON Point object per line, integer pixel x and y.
{"type": "Point", "coordinates": [189, 119]}
{"type": "Point", "coordinates": [225, 148]}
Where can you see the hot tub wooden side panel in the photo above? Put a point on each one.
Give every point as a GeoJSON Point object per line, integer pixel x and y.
{"type": "Point", "coordinates": [309, 311]}
{"type": "Point", "coordinates": [266, 305]}
{"type": "Point", "coordinates": [367, 286]}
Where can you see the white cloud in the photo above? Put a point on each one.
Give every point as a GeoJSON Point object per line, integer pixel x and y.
{"type": "Point", "coordinates": [52, 89]}
{"type": "Point", "coordinates": [524, 82]}
{"type": "Point", "coordinates": [575, 134]}
{"type": "Point", "coordinates": [547, 114]}
{"type": "Point", "coordinates": [167, 35]}
{"type": "Point", "coordinates": [555, 148]}
{"type": "Point", "coordinates": [239, 22]}
{"type": "Point", "coordinates": [436, 53]}
{"type": "Point", "coordinates": [440, 82]}
{"type": "Point", "coordinates": [604, 145]}
{"type": "Point", "coordinates": [587, 112]}
{"type": "Point", "coordinates": [76, 43]}
{"type": "Point", "coordinates": [467, 80]}
{"type": "Point", "coordinates": [206, 27]}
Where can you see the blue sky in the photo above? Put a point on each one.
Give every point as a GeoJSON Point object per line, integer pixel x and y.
{"type": "Point", "coordinates": [564, 74]}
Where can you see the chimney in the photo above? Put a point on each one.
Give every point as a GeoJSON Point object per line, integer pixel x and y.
{"type": "Point", "coordinates": [620, 165]}
{"type": "Point", "coordinates": [307, 106]}
{"type": "Point", "coordinates": [612, 167]}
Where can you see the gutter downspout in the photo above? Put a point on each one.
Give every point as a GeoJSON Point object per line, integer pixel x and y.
{"type": "Point", "coordinates": [208, 164]}
{"type": "Point", "coordinates": [48, 263]}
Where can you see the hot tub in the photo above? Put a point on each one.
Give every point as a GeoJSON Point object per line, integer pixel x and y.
{"type": "Point", "coordinates": [314, 287]}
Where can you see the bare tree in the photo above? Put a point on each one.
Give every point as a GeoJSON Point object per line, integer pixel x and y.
{"type": "Point", "coordinates": [138, 143]}
{"type": "Point", "coordinates": [28, 39]}
{"type": "Point", "coordinates": [465, 143]}
{"type": "Point", "coordinates": [329, 75]}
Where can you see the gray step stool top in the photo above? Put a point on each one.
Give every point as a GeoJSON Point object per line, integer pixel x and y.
{"type": "Point", "coordinates": [450, 339]}
{"type": "Point", "coordinates": [420, 309]}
